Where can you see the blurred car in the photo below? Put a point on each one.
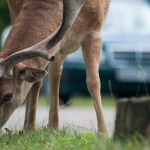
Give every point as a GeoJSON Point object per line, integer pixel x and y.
{"type": "Point", "coordinates": [125, 60]}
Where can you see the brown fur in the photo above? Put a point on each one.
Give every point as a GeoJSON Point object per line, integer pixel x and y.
{"type": "Point", "coordinates": [34, 20]}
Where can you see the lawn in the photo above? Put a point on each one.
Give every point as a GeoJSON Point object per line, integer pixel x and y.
{"type": "Point", "coordinates": [81, 101]}
{"type": "Point", "coordinates": [65, 139]}
{"type": "Point", "coordinates": [68, 138]}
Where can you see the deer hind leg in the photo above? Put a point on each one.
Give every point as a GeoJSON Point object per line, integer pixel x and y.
{"type": "Point", "coordinates": [91, 48]}
{"type": "Point", "coordinates": [31, 103]}
{"type": "Point", "coordinates": [55, 70]}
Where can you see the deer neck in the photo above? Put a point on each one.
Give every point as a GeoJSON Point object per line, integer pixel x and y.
{"type": "Point", "coordinates": [33, 25]}
{"type": "Point", "coordinates": [15, 6]}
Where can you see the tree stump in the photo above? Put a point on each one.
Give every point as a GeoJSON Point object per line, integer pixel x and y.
{"type": "Point", "coordinates": [132, 116]}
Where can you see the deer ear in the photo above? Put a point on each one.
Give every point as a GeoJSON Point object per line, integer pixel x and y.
{"type": "Point", "coordinates": [31, 75]}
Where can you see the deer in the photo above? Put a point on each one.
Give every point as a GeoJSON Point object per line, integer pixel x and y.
{"type": "Point", "coordinates": [43, 33]}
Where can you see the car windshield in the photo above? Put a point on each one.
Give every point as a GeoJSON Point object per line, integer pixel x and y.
{"type": "Point", "coordinates": [128, 17]}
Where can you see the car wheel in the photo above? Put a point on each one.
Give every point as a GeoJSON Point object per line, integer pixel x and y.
{"type": "Point", "coordinates": [64, 98]}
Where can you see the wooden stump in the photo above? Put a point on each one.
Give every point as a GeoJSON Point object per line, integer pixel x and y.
{"type": "Point", "coordinates": [132, 116]}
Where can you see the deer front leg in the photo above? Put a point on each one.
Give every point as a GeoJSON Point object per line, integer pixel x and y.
{"type": "Point", "coordinates": [91, 48]}
{"type": "Point", "coordinates": [31, 104]}
{"type": "Point", "coordinates": [55, 70]}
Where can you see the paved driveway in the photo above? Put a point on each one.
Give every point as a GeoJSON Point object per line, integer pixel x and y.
{"type": "Point", "coordinates": [78, 117]}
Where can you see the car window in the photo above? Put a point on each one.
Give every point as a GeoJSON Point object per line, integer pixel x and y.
{"type": "Point", "coordinates": [128, 17]}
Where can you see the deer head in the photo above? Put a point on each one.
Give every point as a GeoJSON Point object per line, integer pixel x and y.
{"type": "Point", "coordinates": [17, 79]}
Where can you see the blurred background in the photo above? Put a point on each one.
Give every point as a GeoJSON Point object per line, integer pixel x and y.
{"type": "Point", "coordinates": [125, 58]}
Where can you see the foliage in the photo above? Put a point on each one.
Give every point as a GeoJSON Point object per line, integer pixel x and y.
{"type": "Point", "coordinates": [4, 15]}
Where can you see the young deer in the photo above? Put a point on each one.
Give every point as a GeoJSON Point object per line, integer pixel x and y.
{"type": "Point", "coordinates": [28, 49]}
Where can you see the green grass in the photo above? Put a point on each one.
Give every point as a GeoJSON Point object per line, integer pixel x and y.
{"type": "Point", "coordinates": [64, 139]}
{"type": "Point", "coordinates": [81, 101]}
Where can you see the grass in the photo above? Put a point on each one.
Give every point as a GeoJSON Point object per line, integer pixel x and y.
{"type": "Point", "coordinates": [64, 139]}
{"type": "Point", "coordinates": [68, 138]}
{"type": "Point", "coordinates": [81, 101]}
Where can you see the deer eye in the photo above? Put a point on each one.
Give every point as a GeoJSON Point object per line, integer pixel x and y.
{"type": "Point", "coordinates": [7, 97]}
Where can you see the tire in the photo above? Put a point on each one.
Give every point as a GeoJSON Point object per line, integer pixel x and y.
{"type": "Point", "coordinates": [64, 98]}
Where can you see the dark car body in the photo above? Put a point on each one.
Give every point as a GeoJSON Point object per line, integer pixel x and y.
{"type": "Point", "coordinates": [125, 61]}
